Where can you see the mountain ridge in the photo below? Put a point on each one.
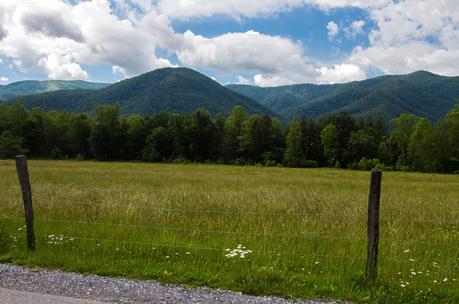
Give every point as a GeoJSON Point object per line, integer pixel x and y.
{"type": "Point", "coordinates": [183, 90]}
{"type": "Point", "coordinates": [173, 90]}
{"type": "Point", "coordinates": [28, 87]}
{"type": "Point", "coordinates": [421, 93]}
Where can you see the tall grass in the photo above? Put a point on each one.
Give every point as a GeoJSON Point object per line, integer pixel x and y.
{"type": "Point", "coordinates": [294, 233]}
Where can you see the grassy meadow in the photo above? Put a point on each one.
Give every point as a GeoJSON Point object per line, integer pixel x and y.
{"type": "Point", "coordinates": [294, 233]}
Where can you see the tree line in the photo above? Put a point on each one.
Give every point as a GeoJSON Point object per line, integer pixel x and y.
{"type": "Point", "coordinates": [339, 140]}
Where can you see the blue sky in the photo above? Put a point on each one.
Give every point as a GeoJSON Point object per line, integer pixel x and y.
{"type": "Point", "coordinates": [307, 25]}
{"type": "Point", "coordinates": [260, 42]}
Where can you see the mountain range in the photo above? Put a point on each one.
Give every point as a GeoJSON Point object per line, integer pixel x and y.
{"type": "Point", "coordinates": [420, 93]}
{"type": "Point", "coordinates": [27, 87]}
{"type": "Point", "coordinates": [173, 90]}
{"type": "Point", "coordinates": [183, 90]}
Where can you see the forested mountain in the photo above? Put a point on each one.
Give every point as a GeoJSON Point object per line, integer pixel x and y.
{"type": "Point", "coordinates": [183, 90]}
{"type": "Point", "coordinates": [281, 98]}
{"type": "Point", "coordinates": [420, 93]}
{"type": "Point", "coordinates": [173, 90]}
{"type": "Point", "coordinates": [27, 87]}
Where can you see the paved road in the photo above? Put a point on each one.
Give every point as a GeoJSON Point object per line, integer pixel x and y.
{"type": "Point", "coordinates": [8, 296]}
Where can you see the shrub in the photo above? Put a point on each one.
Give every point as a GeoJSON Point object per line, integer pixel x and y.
{"type": "Point", "coordinates": [10, 146]}
{"type": "Point", "coordinates": [79, 157]}
{"type": "Point", "coordinates": [56, 153]}
{"type": "Point", "coordinates": [181, 160]}
{"type": "Point", "coordinates": [310, 164]}
{"type": "Point", "coordinates": [367, 164]}
{"type": "Point", "coordinates": [271, 163]}
{"type": "Point", "coordinates": [239, 162]}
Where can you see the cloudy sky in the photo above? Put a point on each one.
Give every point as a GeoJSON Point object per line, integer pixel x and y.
{"type": "Point", "coordinates": [261, 42]}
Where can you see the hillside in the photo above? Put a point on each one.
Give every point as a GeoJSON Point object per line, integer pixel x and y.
{"type": "Point", "coordinates": [421, 93]}
{"type": "Point", "coordinates": [280, 98]}
{"type": "Point", "coordinates": [173, 90]}
{"type": "Point", "coordinates": [28, 87]}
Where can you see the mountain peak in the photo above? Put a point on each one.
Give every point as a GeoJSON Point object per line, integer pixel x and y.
{"type": "Point", "coordinates": [173, 90]}
{"type": "Point", "coordinates": [421, 93]}
{"type": "Point", "coordinates": [422, 73]}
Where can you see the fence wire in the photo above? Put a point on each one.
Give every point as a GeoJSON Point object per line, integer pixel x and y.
{"type": "Point", "coordinates": [306, 236]}
{"type": "Point", "coordinates": [309, 236]}
{"type": "Point", "coordinates": [209, 248]}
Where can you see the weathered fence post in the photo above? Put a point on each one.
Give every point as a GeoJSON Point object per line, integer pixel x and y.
{"type": "Point", "coordinates": [23, 174]}
{"type": "Point", "coordinates": [373, 224]}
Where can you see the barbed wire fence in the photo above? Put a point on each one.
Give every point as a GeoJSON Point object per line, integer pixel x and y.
{"type": "Point", "coordinates": [372, 238]}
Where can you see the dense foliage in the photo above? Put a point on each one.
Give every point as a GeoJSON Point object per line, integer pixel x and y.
{"type": "Point", "coordinates": [420, 93]}
{"type": "Point", "coordinates": [334, 140]}
{"type": "Point", "coordinates": [172, 90]}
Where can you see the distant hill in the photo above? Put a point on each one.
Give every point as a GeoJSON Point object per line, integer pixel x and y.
{"type": "Point", "coordinates": [420, 93]}
{"type": "Point", "coordinates": [280, 98]}
{"type": "Point", "coordinates": [27, 87]}
{"type": "Point", "coordinates": [173, 90]}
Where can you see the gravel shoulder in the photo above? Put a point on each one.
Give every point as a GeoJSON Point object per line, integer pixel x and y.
{"type": "Point", "coordinates": [118, 290]}
{"type": "Point", "coordinates": [10, 296]}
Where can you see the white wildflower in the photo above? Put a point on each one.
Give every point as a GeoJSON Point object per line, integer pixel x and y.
{"type": "Point", "coordinates": [240, 251]}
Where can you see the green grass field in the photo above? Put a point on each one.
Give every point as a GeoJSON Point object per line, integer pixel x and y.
{"type": "Point", "coordinates": [301, 233]}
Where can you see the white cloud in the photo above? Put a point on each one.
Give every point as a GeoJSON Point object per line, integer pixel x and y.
{"type": "Point", "coordinates": [333, 29]}
{"type": "Point", "coordinates": [4, 79]}
{"type": "Point", "coordinates": [58, 38]}
{"type": "Point", "coordinates": [50, 23]}
{"type": "Point", "coordinates": [243, 80]}
{"type": "Point", "coordinates": [412, 35]}
{"type": "Point", "coordinates": [249, 51]}
{"type": "Point", "coordinates": [275, 80]}
{"type": "Point", "coordinates": [341, 73]}
{"type": "Point", "coordinates": [356, 28]}
{"type": "Point", "coordinates": [276, 60]}
{"type": "Point", "coordinates": [408, 35]}
{"type": "Point", "coordinates": [185, 9]}
{"type": "Point", "coordinates": [61, 67]}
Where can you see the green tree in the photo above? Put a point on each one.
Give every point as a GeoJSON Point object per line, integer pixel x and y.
{"type": "Point", "coordinates": [329, 139]}
{"type": "Point", "coordinates": [200, 131]}
{"type": "Point", "coordinates": [217, 140]}
{"type": "Point", "coordinates": [419, 144]}
{"type": "Point", "coordinates": [231, 148]}
{"type": "Point", "coordinates": [311, 140]}
{"type": "Point", "coordinates": [294, 154]}
{"type": "Point", "coordinates": [17, 117]}
{"type": "Point", "coordinates": [261, 137]}
{"type": "Point", "coordinates": [177, 129]}
{"type": "Point", "coordinates": [362, 144]}
{"type": "Point", "coordinates": [80, 126]}
{"type": "Point", "coordinates": [158, 146]}
{"type": "Point", "coordinates": [46, 133]}
{"type": "Point", "coordinates": [107, 136]}
{"type": "Point", "coordinates": [10, 146]}
{"type": "Point", "coordinates": [402, 133]}
{"type": "Point", "coordinates": [3, 116]}
{"type": "Point", "coordinates": [344, 125]}
{"type": "Point", "coordinates": [443, 153]}
{"type": "Point", "coordinates": [136, 135]}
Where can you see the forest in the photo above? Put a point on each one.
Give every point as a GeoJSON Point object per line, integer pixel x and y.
{"type": "Point", "coordinates": [408, 143]}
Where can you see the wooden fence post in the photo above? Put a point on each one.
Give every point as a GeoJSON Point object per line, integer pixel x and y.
{"type": "Point", "coordinates": [373, 224]}
{"type": "Point", "coordinates": [23, 174]}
